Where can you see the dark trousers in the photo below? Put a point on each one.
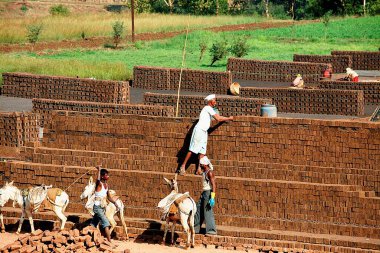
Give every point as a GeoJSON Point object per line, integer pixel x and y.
{"type": "Point", "coordinates": [204, 214]}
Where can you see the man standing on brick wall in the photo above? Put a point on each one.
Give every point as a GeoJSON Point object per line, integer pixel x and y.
{"type": "Point", "coordinates": [207, 200]}
{"type": "Point", "coordinates": [101, 195]}
{"type": "Point", "coordinates": [198, 142]}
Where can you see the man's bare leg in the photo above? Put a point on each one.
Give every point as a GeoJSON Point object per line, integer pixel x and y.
{"type": "Point", "coordinates": [182, 170]}
{"type": "Point", "coordinates": [199, 170]}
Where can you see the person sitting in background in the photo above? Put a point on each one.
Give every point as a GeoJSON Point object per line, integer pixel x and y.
{"type": "Point", "coordinates": [328, 72]}
{"type": "Point", "coordinates": [352, 75]}
{"type": "Point", "coordinates": [297, 83]}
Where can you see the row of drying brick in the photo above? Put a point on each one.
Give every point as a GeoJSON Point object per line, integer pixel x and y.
{"type": "Point", "coordinates": [191, 105]}
{"type": "Point", "coordinates": [280, 71]}
{"type": "Point", "coordinates": [65, 88]}
{"type": "Point", "coordinates": [368, 180]}
{"type": "Point", "coordinates": [46, 106]}
{"type": "Point", "coordinates": [371, 90]}
{"type": "Point", "coordinates": [362, 60]}
{"type": "Point", "coordinates": [18, 128]}
{"type": "Point", "coordinates": [339, 63]}
{"type": "Point", "coordinates": [151, 230]}
{"type": "Point", "coordinates": [192, 80]}
{"type": "Point", "coordinates": [319, 101]}
{"type": "Point", "coordinates": [335, 143]}
{"type": "Point", "coordinates": [335, 208]}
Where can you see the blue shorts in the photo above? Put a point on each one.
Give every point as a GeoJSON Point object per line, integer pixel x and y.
{"type": "Point", "coordinates": [100, 216]}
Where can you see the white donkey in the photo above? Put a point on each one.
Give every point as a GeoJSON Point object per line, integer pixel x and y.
{"type": "Point", "coordinates": [31, 200]}
{"type": "Point", "coordinates": [111, 210]}
{"type": "Point", "coordinates": [178, 204]}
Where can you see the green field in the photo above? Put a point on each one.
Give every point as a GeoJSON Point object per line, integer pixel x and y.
{"type": "Point", "coordinates": [270, 44]}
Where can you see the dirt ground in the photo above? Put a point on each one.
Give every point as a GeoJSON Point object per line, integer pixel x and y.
{"type": "Point", "coordinates": [7, 238]}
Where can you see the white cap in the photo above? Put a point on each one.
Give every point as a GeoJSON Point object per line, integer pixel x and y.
{"type": "Point", "coordinates": [205, 161]}
{"type": "Point", "coordinates": [210, 97]}
{"type": "Point", "coordinates": [349, 70]}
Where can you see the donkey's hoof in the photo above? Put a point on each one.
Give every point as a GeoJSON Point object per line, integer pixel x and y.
{"type": "Point", "coordinates": [2, 230]}
{"type": "Point", "coordinates": [17, 233]}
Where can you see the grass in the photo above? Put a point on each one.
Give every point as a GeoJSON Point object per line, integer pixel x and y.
{"type": "Point", "coordinates": [270, 44]}
{"type": "Point", "coordinates": [13, 30]}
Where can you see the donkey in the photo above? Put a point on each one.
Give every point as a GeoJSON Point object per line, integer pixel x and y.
{"type": "Point", "coordinates": [111, 210]}
{"type": "Point", "coordinates": [178, 204]}
{"type": "Point", "coordinates": [31, 200]}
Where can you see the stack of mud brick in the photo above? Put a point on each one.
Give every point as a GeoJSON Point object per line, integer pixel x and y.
{"type": "Point", "coordinates": [371, 89]}
{"type": "Point", "coordinates": [46, 106]}
{"type": "Point", "coordinates": [18, 128]}
{"type": "Point", "coordinates": [65, 88]}
{"type": "Point", "coordinates": [155, 78]}
{"type": "Point", "coordinates": [362, 60]}
{"type": "Point", "coordinates": [272, 71]}
{"type": "Point", "coordinates": [339, 102]}
{"type": "Point", "coordinates": [191, 105]}
{"type": "Point", "coordinates": [339, 62]}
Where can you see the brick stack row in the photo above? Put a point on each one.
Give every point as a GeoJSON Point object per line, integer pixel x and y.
{"type": "Point", "coordinates": [339, 62]}
{"type": "Point", "coordinates": [155, 78]}
{"type": "Point", "coordinates": [281, 71]}
{"type": "Point", "coordinates": [371, 89]}
{"type": "Point", "coordinates": [248, 203]}
{"type": "Point", "coordinates": [46, 106]}
{"type": "Point", "coordinates": [362, 60]}
{"type": "Point", "coordinates": [18, 128]}
{"type": "Point", "coordinates": [65, 88]}
{"type": "Point", "coordinates": [334, 143]}
{"type": "Point", "coordinates": [191, 105]}
{"type": "Point", "coordinates": [316, 101]}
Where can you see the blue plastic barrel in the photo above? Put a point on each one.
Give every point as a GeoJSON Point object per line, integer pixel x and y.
{"type": "Point", "coordinates": [268, 110]}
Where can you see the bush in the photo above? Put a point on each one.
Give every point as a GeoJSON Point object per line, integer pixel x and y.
{"type": "Point", "coordinates": [118, 29]}
{"type": "Point", "coordinates": [218, 51]}
{"type": "Point", "coordinates": [34, 32]}
{"type": "Point", "coordinates": [202, 48]}
{"type": "Point", "coordinates": [24, 8]}
{"type": "Point", "coordinates": [239, 47]}
{"type": "Point", "coordinates": [59, 10]}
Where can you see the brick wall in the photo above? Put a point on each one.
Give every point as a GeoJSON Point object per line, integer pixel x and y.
{"type": "Point", "coordinates": [280, 205]}
{"type": "Point", "coordinates": [18, 128]}
{"type": "Point", "coordinates": [192, 80]}
{"type": "Point", "coordinates": [281, 71]}
{"type": "Point", "coordinates": [342, 144]}
{"type": "Point", "coordinates": [316, 101]}
{"type": "Point", "coordinates": [371, 90]}
{"type": "Point", "coordinates": [362, 60]}
{"type": "Point", "coordinates": [339, 62]}
{"type": "Point", "coordinates": [65, 88]}
{"type": "Point", "coordinates": [190, 106]}
{"type": "Point", "coordinates": [46, 106]}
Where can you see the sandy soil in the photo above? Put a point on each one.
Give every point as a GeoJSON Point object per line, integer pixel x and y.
{"type": "Point", "coordinates": [7, 238]}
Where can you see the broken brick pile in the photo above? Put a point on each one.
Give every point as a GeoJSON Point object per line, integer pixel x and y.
{"type": "Point", "coordinates": [88, 239]}
{"type": "Point", "coordinates": [27, 85]}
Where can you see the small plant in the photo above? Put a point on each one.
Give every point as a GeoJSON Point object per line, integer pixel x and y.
{"type": "Point", "coordinates": [239, 47]}
{"type": "Point", "coordinates": [83, 35]}
{"type": "Point", "coordinates": [326, 21]}
{"type": "Point", "coordinates": [118, 29]}
{"type": "Point", "coordinates": [24, 8]}
{"type": "Point", "coordinates": [34, 32]}
{"type": "Point", "coordinates": [109, 45]}
{"type": "Point", "coordinates": [202, 48]}
{"type": "Point", "coordinates": [59, 10]}
{"type": "Point", "coordinates": [218, 51]}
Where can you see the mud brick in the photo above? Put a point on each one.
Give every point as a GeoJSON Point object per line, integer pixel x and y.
{"type": "Point", "coordinates": [104, 247]}
{"type": "Point", "coordinates": [14, 246]}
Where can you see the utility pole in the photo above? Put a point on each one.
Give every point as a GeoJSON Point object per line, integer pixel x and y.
{"type": "Point", "coordinates": [133, 19]}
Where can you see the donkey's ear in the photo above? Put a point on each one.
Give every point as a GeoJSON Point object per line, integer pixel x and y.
{"type": "Point", "coordinates": [175, 176]}
{"type": "Point", "coordinates": [11, 183]}
{"type": "Point", "coordinates": [167, 181]}
{"type": "Point", "coordinates": [91, 180]}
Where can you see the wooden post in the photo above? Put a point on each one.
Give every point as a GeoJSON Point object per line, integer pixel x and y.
{"type": "Point", "coordinates": [133, 19]}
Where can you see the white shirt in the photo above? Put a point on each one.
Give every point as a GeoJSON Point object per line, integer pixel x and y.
{"type": "Point", "coordinates": [205, 118]}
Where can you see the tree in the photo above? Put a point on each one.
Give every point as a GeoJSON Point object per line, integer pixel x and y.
{"type": "Point", "coordinates": [218, 51]}
{"type": "Point", "coordinates": [170, 4]}
{"type": "Point", "coordinates": [118, 29]}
